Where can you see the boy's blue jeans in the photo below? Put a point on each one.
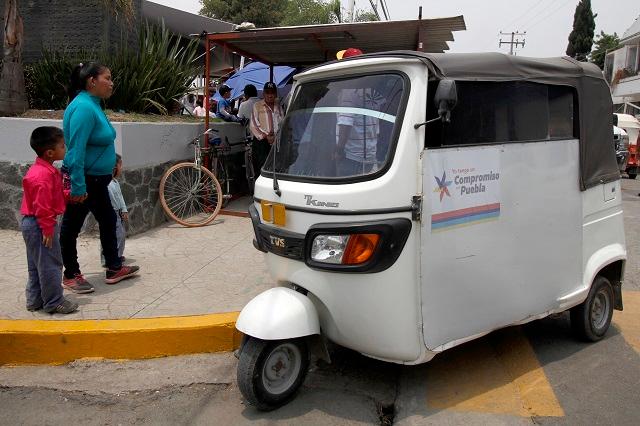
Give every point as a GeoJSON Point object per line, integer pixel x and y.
{"type": "Point", "coordinates": [44, 285]}
{"type": "Point", "coordinates": [121, 234]}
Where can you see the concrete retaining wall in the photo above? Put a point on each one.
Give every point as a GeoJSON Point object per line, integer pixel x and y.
{"type": "Point", "coordinates": [147, 149]}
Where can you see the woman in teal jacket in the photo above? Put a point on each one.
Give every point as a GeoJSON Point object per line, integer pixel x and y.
{"type": "Point", "coordinates": [88, 166]}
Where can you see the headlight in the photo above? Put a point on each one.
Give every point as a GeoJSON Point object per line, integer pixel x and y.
{"type": "Point", "coordinates": [356, 247]}
{"type": "Point", "coordinates": [352, 249]}
{"type": "Point", "coordinates": [329, 248]}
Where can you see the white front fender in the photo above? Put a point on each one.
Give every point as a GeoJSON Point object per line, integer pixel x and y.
{"type": "Point", "coordinates": [279, 313]}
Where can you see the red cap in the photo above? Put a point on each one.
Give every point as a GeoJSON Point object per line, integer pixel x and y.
{"type": "Point", "coordinates": [352, 51]}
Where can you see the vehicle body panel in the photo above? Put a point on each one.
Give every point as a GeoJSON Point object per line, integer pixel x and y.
{"type": "Point", "coordinates": [489, 274]}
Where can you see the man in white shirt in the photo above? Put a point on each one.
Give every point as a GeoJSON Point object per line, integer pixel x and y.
{"type": "Point", "coordinates": [250, 98]}
{"type": "Point", "coordinates": [357, 133]}
{"type": "Point", "coordinates": [265, 122]}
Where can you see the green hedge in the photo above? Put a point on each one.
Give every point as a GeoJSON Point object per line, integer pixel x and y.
{"type": "Point", "coordinates": [149, 79]}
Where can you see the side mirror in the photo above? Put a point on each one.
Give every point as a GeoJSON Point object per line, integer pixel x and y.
{"type": "Point", "coordinates": [446, 98]}
{"type": "Point", "coordinates": [615, 120]}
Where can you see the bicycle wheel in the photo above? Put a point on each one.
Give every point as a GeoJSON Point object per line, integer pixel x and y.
{"type": "Point", "coordinates": [190, 195]}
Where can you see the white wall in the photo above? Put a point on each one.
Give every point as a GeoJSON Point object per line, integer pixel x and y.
{"type": "Point", "coordinates": [14, 138]}
{"type": "Point", "coordinates": [144, 144]}
{"type": "Point", "coordinates": [141, 144]}
{"type": "Point", "coordinates": [620, 59]}
{"type": "Point", "coordinates": [629, 87]}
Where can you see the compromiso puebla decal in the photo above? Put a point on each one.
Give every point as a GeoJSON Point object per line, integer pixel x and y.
{"type": "Point", "coordinates": [473, 184]}
{"type": "Point", "coordinates": [467, 188]}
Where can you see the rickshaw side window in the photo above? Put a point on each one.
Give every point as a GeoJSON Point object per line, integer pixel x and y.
{"type": "Point", "coordinates": [562, 113]}
{"type": "Point", "coordinates": [503, 112]}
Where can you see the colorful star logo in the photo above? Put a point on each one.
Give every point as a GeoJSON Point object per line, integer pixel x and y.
{"type": "Point", "coordinates": [442, 185]}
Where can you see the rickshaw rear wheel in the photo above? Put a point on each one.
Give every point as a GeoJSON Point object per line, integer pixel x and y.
{"type": "Point", "coordinates": [591, 319]}
{"type": "Point", "coordinates": [270, 372]}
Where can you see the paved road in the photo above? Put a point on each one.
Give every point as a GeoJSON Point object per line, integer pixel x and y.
{"type": "Point", "coordinates": [535, 374]}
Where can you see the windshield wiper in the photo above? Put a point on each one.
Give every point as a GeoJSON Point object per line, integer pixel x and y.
{"type": "Point", "coordinates": [276, 146]}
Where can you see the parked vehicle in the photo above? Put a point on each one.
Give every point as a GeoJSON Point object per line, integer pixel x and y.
{"type": "Point", "coordinates": [411, 204]}
{"type": "Point", "coordinates": [621, 144]}
{"type": "Point", "coordinates": [631, 125]}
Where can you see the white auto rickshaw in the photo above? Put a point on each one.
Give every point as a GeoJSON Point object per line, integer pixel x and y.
{"type": "Point", "coordinates": [420, 201]}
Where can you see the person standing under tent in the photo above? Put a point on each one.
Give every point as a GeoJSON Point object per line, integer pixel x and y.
{"type": "Point", "coordinates": [250, 98]}
{"type": "Point", "coordinates": [265, 122]}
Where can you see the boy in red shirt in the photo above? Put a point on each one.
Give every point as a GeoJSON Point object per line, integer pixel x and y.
{"type": "Point", "coordinates": [42, 202]}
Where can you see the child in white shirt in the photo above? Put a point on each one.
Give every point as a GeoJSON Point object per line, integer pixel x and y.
{"type": "Point", "coordinates": [120, 207]}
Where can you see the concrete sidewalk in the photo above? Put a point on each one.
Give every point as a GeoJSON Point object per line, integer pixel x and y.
{"type": "Point", "coordinates": [184, 271]}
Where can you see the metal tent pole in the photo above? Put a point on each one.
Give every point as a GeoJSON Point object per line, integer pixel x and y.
{"type": "Point", "coordinates": [207, 79]}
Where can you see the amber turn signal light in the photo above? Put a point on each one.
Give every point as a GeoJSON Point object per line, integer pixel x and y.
{"type": "Point", "coordinates": [360, 248]}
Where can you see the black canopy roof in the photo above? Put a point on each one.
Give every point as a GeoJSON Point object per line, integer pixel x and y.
{"type": "Point", "coordinates": [597, 153]}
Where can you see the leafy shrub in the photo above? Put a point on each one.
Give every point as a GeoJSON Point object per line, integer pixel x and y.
{"type": "Point", "coordinates": [157, 74]}
{"type": "Point", "coordinates": [46, 81]}
{"type": "Point", "coordinates": [148, 79]}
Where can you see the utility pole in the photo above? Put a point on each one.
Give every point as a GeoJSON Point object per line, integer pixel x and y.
{"type": "Point", "coordinates": [351, 16]}
{"type": "Point", "coordinates": [514, 41]}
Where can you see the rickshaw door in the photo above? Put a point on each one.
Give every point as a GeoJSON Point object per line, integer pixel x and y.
{"type": "Point", "coordinates": [500, 239]}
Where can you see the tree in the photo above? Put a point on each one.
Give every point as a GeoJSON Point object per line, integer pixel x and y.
{"type": "Point", "coordinates": [121, 8]}
{"type": "Point", "coordinates": [262, 13]}
{"type": "Point", "coordinates": [307, 12]}
{"type": "Point", "coordinates": [13, 97]}
{"type": "Point", "coordinates": [335, 8]}
{"type": "Point", "coordinates": [275, 13]}
{"type": "Point", "coordinates": [366, 16]}
{"type": "Point", "coordinates": [604, 42]}
{"type": "Point", "coordinates": [581, 37]}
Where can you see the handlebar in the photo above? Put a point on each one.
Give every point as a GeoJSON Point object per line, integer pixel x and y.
{"type": "Point", "coordinates": [197, 138]}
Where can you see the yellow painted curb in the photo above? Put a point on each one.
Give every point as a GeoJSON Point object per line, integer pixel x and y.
{"type": "Point", "coordinates": [58, 342]}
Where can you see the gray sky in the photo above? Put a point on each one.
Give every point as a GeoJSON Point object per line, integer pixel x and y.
{"type": "Point", "coordinates": [547, 22]}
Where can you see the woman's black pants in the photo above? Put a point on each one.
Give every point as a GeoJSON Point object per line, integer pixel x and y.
{"type": "Point", "coordinates": [98, 203]}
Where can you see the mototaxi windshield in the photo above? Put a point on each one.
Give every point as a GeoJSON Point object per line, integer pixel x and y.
{"type": "Point", "coordinates": [340, 129]}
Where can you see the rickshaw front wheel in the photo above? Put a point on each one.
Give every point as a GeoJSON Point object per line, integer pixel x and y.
{"type": "Point", "coordinates": [270, 372]}
{"type": "Point", "coordinates": [591, 319]}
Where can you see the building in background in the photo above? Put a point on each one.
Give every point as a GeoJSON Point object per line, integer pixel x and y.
{"type": "Point", "coordinates": [621, 68]}
{"type": "Point", "coordinates": [89, 25]}
{"type": "Point", "coordinates": [73, 25]}
{"type": "Point", "coordinates": [186, 24]}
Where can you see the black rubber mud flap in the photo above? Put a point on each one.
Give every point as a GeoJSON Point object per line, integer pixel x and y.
{"type": "Point", "coordinates": [617, 296]}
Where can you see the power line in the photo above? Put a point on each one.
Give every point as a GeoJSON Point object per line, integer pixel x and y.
{"type": "Point", "coordinates": [385, 9]}
{"type": "Point", "coordinates": [526, 12]}
{"type": "Point", "coordinates": [535, 23]}
{"type": "Point", "coordinates": [541, 12]}
{"type": "Point", "coordinates": [375, 9]}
